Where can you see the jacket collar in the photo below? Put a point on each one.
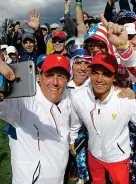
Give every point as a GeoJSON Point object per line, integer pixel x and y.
{"type": "Point", "coordinates": [93, 98]}
{"type": "Point", "coordinates": [45, 101]}
{"type": "Point", "coordinates": [72, 84]}
{"type": "Point", "coordinates": [41, 97]}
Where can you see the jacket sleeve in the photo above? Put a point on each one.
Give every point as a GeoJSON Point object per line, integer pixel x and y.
{"type": "Point", "coordinates": [75, 123]}
{"type": "Point", "coordinates": [41, 48]}
{"type": "Point", "coordinates": [10, 111]}
{"type": "Point", "coordinates": [70, 26]}
{"type": "Point", "coordinates": [108, 12]}
{"type": "Point", "coordinates": [128, 56]}
{"type": "Point", "coordinates": [15, 43]}
{"type": "Point", "coordinates": [133, 111]}
{"type": "Point", "coordinates": [8, 37]}
{"type": "Point", "coordinates": [49, 47]}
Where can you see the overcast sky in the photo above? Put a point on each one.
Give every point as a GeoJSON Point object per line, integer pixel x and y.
{"type": "Point", "coordinates": [50, 10]}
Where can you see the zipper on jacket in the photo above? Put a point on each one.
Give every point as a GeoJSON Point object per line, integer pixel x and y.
{"type": "Point", "coordinates": [58, 108]}
{"type": "Point", "coordinates": [98, 111]}
{"type": "Point", "coordinates": [120, 148]}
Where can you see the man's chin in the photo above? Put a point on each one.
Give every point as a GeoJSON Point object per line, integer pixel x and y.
{"type": "Point", "coordinates": [29, 51]}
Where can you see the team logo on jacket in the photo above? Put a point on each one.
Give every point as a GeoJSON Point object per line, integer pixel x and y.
{"type": "Point", "coordinates": [114, 116]}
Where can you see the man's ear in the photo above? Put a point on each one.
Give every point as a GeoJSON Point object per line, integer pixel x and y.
{"type": "Point", "coordinates": [115, 77]}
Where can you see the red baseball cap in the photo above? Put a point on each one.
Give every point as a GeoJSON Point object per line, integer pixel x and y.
{"type": "Point", "coordinates": [60, 34]}
{"type": "Point", "coordinates": [56, 60]}
{"type": "Point", "coordinates": [106, 60]}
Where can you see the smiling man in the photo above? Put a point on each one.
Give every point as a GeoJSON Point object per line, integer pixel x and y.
{"type": "Point", "coordinates": [58, 41]}
{"type": "Point", "coordinates": [106, 118]}
{"type": "Point", "coordinates": [40, 153]}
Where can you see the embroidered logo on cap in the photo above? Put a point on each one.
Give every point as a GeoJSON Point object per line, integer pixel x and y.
{"type": "Point", "coordinates": [59, 58]}
{"type": "Point", "coordinates": [104, 55]}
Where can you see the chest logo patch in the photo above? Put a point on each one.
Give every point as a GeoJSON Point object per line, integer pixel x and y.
{"type": "Point", "coordinates": [114, 116]}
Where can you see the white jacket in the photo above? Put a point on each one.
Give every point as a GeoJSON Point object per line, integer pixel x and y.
{"type": "Point", "coordinates": [72, 88]}
{"type": "Point", "coordinates": [42, 135]}
{"type": "Point", "coordinates": [107, 123]}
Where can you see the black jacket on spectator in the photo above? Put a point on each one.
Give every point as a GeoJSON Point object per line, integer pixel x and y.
{"type": "Point", "coordinates": [70, 26]}
{"type": "Point", "coordinates": [24, 55]}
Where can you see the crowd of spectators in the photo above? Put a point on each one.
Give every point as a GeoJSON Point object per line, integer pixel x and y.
{"type": "Point", "coordinates": [79, 40]}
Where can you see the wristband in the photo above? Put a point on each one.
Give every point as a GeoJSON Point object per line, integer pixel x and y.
{"type": "Point", "coordinates": [78, 4]}
{"type": "Point", "coordinates": [80, 1]}
{"type": "Point", "coordinates": [67, 13]}
{"type": "Point", "coordinates": [121, 47]}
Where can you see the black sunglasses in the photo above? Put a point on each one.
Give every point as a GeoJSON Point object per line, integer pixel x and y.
{"type": "Point", "coordinates": [100, 44]}
{"type": "Point", "coordinates": [56, 39]}
{"type": "Point", "coordinates": [53, 29]}
{"type": "Point", "coordinates": [43, 29]}
{"type": "Point", "coordinates": [3, 49]}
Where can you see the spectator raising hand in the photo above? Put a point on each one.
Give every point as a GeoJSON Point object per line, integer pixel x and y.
{"type": "Point", "coordinates": [117, 34]}
{"type": "Point", "coordinates": [67, 6]}
{"type": "Point", "coordinates": [34, 20]}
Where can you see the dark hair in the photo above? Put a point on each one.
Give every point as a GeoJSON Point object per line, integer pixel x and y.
{"type": "Point", "coordinates": [86, 14]}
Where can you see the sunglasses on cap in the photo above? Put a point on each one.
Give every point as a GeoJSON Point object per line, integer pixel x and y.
{"type": "Point", "coordinates": [53, 29]}
{"type": "Point", "coordinates": [57, 39]}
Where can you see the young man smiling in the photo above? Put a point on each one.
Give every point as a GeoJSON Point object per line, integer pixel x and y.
{"type": "Point", "coordinates": [58, 41]}
{"type": "Point", "coordinates": [106, 118]}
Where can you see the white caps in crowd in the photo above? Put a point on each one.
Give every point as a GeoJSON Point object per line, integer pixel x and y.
{"type": "Point", "coordinates": [54, 25]}
{"type": "Point", "coordinates": [11, 49]}
{"type": "Point", "coordinates": [44, 26]}
{"type": "Point", "coordinates": [3, 47]}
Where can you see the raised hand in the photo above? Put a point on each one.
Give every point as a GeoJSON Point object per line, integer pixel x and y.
{"type": "Point", "coordinates": [67, 5]}
{"type": "Point", "coordinates": [34, 19]}
{"type": "Point", "coordinates": [117, 34]}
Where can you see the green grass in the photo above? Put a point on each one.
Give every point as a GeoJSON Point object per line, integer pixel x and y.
{"type": "Point", "coordinates": [5, 166]}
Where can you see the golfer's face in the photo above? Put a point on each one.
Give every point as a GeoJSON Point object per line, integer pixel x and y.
{"type": "Point", "coordinates": [53, 83]}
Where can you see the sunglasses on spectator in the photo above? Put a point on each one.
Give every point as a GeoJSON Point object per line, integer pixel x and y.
{"type": "Point", "coordinates": [3, 49]}
{"type": "Point", "coordinates": [98, 44]}
{"type": "Point", "coordinates": [53, 29]}
{"type": "Point", "coordinates": [43, 29]}
{"type": "Point", "coordinates": [59, 40]}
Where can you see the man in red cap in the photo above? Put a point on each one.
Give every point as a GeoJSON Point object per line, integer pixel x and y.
{"type": "Point", "coordinates": [58, 41]}
{"type": "Point", "coordinates": [106, 118]}
{"type": "Point", "coordinates": [40, 153]}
